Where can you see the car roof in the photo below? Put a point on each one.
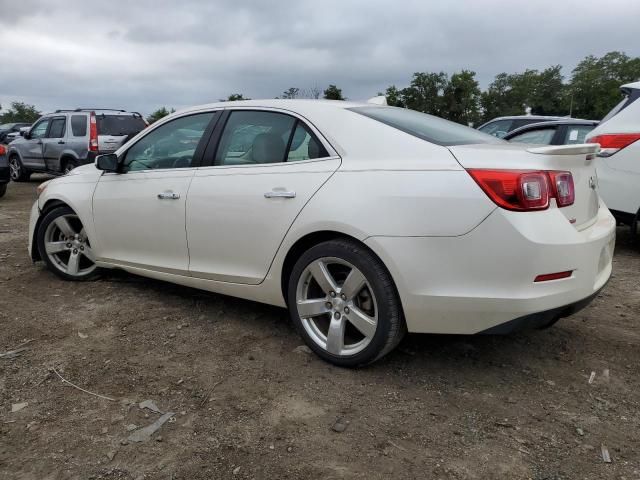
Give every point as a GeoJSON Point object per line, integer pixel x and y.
{"type": "Point", "coordinates": [534, 126]}
{"type": "Point", "coordinates": [287, 104]}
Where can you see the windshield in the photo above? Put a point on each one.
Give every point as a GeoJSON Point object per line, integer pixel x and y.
{"type": "Point", "coordinates": [427, 127]}
{"type": "Point", "coordinates": [630, 97]}
{"type": "Point", "coordinates": [119, 125]}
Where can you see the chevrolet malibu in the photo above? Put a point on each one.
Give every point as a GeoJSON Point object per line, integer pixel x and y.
{"type": "Point", "coordinates": [366, 221]}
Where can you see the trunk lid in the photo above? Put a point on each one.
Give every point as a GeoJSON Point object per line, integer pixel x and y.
{"type": "Point", "coordinates": [579, 159]}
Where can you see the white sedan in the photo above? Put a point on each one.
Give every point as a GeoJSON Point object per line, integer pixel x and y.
{"type": "Point", "coordinates": [366, 221]}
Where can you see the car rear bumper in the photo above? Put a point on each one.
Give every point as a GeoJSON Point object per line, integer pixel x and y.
{"type": "Point", "coordinates": [476, 282]}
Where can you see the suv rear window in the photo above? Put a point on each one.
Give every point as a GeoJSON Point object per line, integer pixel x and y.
{"type": "Point", "coordinates": [427, 127]}
{"type": "Point", "coordinates": [630, 97]}
{"type": "Point", "coordinates": [119, 125]}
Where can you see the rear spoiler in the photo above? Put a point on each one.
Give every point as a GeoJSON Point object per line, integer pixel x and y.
{"type": "Point", "coordinates": [578, 149]}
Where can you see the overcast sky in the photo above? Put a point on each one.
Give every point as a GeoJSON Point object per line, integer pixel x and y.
{"type": "Point", "coordinates": [143, 54]}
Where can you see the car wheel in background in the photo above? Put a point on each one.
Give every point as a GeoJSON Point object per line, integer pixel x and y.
{"type": "Point", "coordinates": [68, 166]}
{"type": "Point", "coordinates": [344, 303]}
{"type": "Point", "coordinates": [17, 172]}
{"type": "Point", "coordinates": [64, 246]}
{"type": "Point", "coordinates": [3, 189]}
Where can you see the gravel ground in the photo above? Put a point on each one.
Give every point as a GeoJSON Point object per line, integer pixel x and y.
{"type": "Point", "coordinates": [249, 402]}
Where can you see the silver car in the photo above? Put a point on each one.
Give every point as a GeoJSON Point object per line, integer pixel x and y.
{"type": "Point", "coordinates": [60, 141]}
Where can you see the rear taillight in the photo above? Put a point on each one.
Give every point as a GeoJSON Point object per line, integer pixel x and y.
{"type": "Point", "coordinates": [563, 189]}
{"type": "Point", "coordinates": [611, 143]}
{"type": "Point", "coordinates": [3, 150]}
{"type": "Point", "coordinates": [524, 191]}
{"type": "Point", "coordinates": [93, 133]}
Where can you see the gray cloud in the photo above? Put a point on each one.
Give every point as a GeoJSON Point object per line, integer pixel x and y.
{"type": "Point", "coordinates": [144, 54]}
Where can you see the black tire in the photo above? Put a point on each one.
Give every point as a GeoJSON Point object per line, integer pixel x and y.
{"type": "Point", "coordinates": [68, 165]}
{"type": "Point", "coordinates": [3, 189]}
{"type": "Point", "coordinates": [635, 233]}
{"type": "Point", "coordinates": [17, 170]}
{"type": "Point", "coordinates": [390, 328]}
{"type": "Point", "coordinates": [48, 219]}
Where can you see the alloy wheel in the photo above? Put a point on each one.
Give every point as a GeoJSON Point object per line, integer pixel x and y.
{"type": "Point", "coordinates": [67, 246]}
{"type": "Point", "coordinates": [15, 169]}
{"type": "Point", "coordinates": [336, 305]}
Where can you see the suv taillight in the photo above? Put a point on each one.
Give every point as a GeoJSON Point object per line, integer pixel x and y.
{"type": "Point", "coordinates": [611, 143]}
{"type": "Point", "coordinates": [524, 191]}
{"type": "Point", "coordinates": [93, 133]}
{"type": "Point", "coordinates": [3, 150]}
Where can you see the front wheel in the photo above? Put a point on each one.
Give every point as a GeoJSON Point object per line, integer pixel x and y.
{"type": "Point", "coordinates": [64, 246]}
{"type": "Point", "coordinates": [17, 172]}
{"type": "Point", "coordinates": [344, 303]}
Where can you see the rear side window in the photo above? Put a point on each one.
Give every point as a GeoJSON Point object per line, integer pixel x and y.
{"type": "Point", "coordinates": [119, 125]}
{"type": "Point", "coordinates": [632, 96]}
{"type": "Point", "coordinates": [56, 130]}
{"type": "Point", "coordinates": [541, 136]}
{"type": "Point", "coordinates": [79, 125]}
{"type": "Point", "coordinates": [577, 134]}
{"type": "Point", "coordinates": [304, 145]}
{"type": "Point", "coordinates": [427, 127]}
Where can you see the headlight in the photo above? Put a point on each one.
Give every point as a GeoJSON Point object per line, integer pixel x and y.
{"type": "Point", "coordinates": [42, 187]}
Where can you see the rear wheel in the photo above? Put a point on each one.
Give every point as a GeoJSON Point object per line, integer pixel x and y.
{"type": "Point", "coordinates": [64, 246]}
{"type": "Point", "coordinates": [17, 171]}
{"type": "Point", "coordinates": [69, 165]}
{"type": "Point", "coordinates": [344, 304]}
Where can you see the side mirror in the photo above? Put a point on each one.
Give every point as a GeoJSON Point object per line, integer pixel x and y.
{"type": "Point", "coordinates": [26, 135]}
{"type": "Point", "coordinates": [107, 163]}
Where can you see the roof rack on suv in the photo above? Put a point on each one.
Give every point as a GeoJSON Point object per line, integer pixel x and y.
{"type": "Point", "coordinates": [92, 109]}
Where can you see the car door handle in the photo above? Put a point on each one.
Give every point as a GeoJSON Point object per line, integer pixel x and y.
{"type": "Point", "coordinates": [60, 142]}
{"type": "Point", "coordinates": [279, 194]}
{"type": "Point", "coordinates": [168, 196]}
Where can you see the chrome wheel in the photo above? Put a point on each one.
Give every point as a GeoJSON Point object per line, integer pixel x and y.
{"type": "Point", "coordinates": [67, 246]}
{"type": "Point", "coordinates": [336, 306]}
{"type": "Point", "coordinates": [15, 169]}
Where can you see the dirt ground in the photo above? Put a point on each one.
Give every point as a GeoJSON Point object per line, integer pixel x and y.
{"type": "Point", "coordinates": [249, 403]}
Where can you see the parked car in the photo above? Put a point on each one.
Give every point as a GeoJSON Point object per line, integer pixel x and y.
{"type": "Point", "coordinates": [60, 141]}
{"type": "Point", "coordinates": [4, 170]}
{"type": "Point", "coordinates": [499, 127]}
{"type": "Point", "coordinates": [619, 166]}
{"type": "Point", "coordinates": [13, 135]}
{"type": "Point", "coordinates": [558, 132]}
{"type": "Point", "coordinates": [10, 128]}
{"type": "Point", "coordinates": [366, 220]}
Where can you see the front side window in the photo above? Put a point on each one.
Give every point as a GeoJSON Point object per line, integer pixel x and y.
{"type": "Point", "coordinates": [79, 125]}
{"type": "Point", "coordinates": [57, 128]}
{"type": "Point", "coordinates": [172, 145]}
{"type": "Point", "coordinates": [541, 136]}
{"type": "Point", "coordinates": [39, 130]}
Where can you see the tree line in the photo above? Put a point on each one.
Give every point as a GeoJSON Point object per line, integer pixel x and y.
{"type": "Point", "coordinates": [590, 92]}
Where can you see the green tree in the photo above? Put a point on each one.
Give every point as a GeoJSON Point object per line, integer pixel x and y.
{"type": "Point", "coordinates": [424, 94]}
{"type": "Point", "coordinates": [461, 98]}
{"type": "Point", "coordinates": [20, 112]}
{"type": "Point", "coordinates": [394, 96]}
{"type": "Point", "coordinates": [291, 93]}
{"type": "Point", "coordinates": [234, 97]}
{"type": "Point", "coordinates": [158, 114]}
{"type": "Point", "coordinates": [333, 93]}
{"type": "Point", "coordinates": [509, 94]}
{"type": "Point", "coordinates": [595, 83]}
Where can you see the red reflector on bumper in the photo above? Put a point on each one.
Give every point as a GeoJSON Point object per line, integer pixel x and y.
{"type": "Point", "coordinates": [553, 276]}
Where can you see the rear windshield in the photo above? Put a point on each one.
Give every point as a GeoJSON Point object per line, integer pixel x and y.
{"type": "Point", "coordinates": [427, 127]}
{"type": "Point", "coordinates": [118, 125]}
{"type": "Point", "coordinates": [632, 96]}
